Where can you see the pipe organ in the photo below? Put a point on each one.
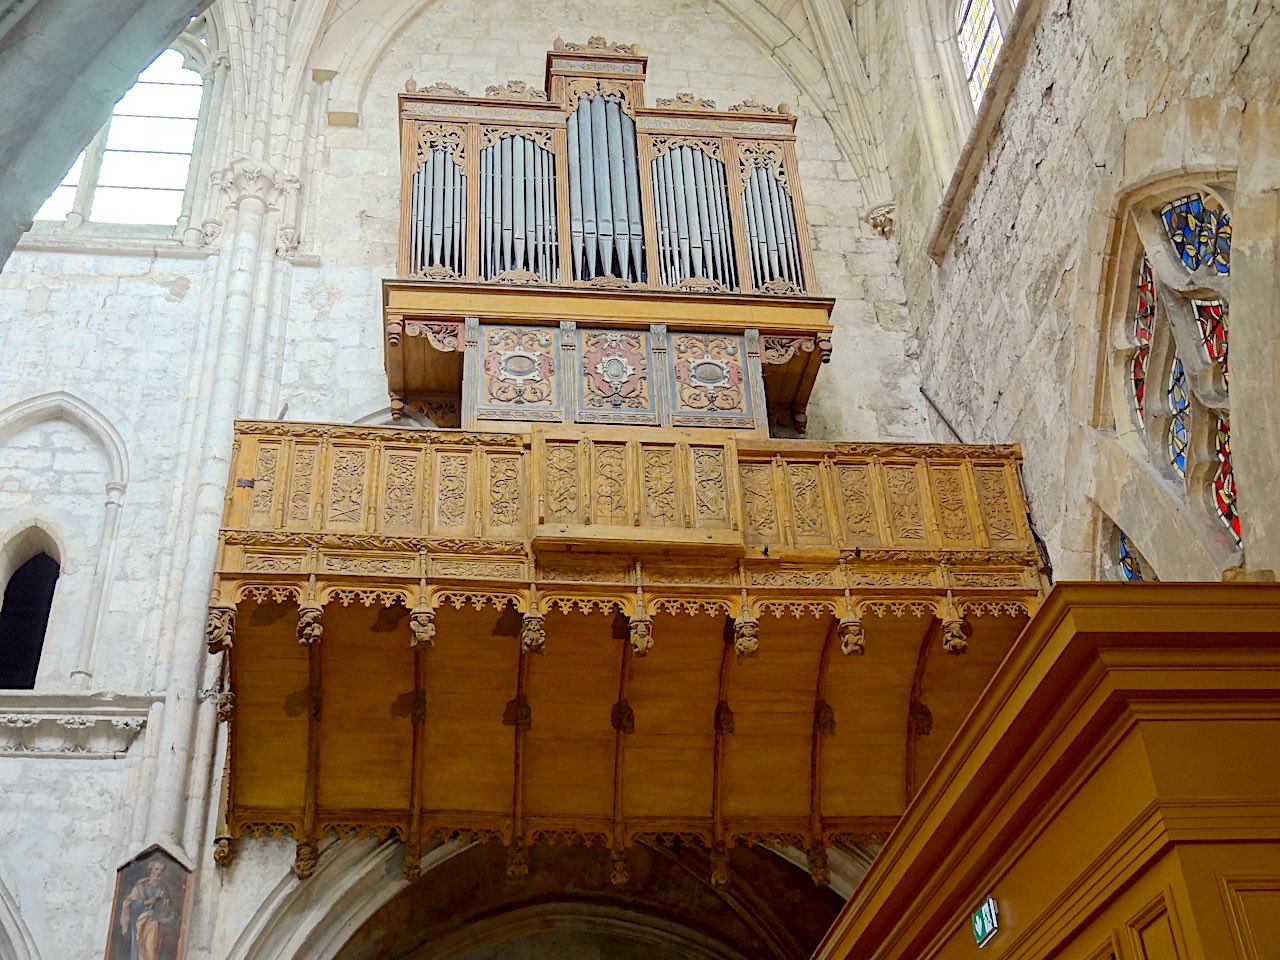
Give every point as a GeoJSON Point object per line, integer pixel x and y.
{"type": "Point", "coordinates": [576, 255]}
{"type": "Point", "coordinates": [585, 184]}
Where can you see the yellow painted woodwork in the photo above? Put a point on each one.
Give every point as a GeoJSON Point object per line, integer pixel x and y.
{"type": "Point", "coordinates": [383, 594]}
{"type": "Point", "coordinates": [1116, 790]}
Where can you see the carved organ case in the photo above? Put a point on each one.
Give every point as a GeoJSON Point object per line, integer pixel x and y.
{"type": "Point", "coordinates": [597, 260]}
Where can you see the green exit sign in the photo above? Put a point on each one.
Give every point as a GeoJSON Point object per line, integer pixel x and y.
{"type": "Point", "coordinates": [986, 922]}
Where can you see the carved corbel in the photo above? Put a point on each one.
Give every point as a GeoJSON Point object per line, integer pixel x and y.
{"type": "Point", "coordinates": [422, 625]}
{"type": "Point", "coordinates": [226, 701]}
{"type": "Point", "coordinates": [533, 628]}
{"type": "Point", "coordinates": [305, 858]}
{"type": "Point", "coordinates": [412, 866]}
{"type": "Point", "coordinates": [746, 636]}
{"type": "Point", "coordinates": [220, 628]}
{"type": "Point", "coordinates": [620, 872]}
{"type": "Point", "coordinates": [818, 868]}
{"type": "Point", "coordinates": [517, 861]}
{"type": "Point", "coordinates": [224, 851]}
{"type": "Point", "coordinates": [641, 625]}
{"type": "Point", "coordinates": [849, 626]}
{"type": "Point", "coordinates": [719, 866]}
{"type": "Point", "coordinates": [395, 330]}
{"type": "Point", "coordinates": [955, 631]}
{"type": "Point", "coordinates": [310, 624]}
{"type": "Point", "coordinates": [883, 217]}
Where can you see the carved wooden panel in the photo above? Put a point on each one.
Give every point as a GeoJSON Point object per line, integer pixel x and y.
{"type": "Point", "coordinates": [451, 476]}
{"type": "Point", "coordinates": [711, 486]}
{"type": "Point", "coordinates": [519, 377]}
{"type": "Point", "coordinates": [560, 472]}
{"type": "Point", "coordinates": [951, 504]}
{"type": "Point", "coordinates": [709, 381]}
{"type": "Point", "coordinates": [994, 498]}
{"type": "Point", "coordinates": [301, 502]}
{"type": "Point", "coordinates": [609, 479]}
{"type": "Point", "coordinates": [262, 502]}
{"type": "Point", "coordinates": [402, 491]}
{"type": "Point", "coordinates": [906, 514]}
{"type": "Point", "coordinates": [759, 502]}
{"type": "Point", "coordinates": [615, 384]}
{"type": "Point", "coordinates": [348, 480]}
{"type": "Point", "coordinates": [504, 494]}
{"type": "Point", "coordinates": [661, 500]}
{"type": "Point", "coordinates": [858, 504]}
{"type": "Point", "coordinates": [808, 503]}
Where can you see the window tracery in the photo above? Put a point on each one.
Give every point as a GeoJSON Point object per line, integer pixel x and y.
{"type": "Point", "coordinates": [1177, 336]}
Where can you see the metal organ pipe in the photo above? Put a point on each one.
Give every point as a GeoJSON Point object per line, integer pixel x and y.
{"type": "Point", "coordinates": [604, 191]}
{"type": "Point", "coordinates": [438, 214]}
{"type": "Point", "coordinates": [518, 209]}
{"type": "Point", "coordinates": [772, 237]}
{"type": "Point", "coordinates": [691, 204]}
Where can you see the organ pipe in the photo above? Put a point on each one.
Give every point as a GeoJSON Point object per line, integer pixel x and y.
{"type": "Point", "coordinates": [691, 206]}
{"type": "Point", "coordinates": [773, 242]}
{"type": "Point", "coordinates": [604, 191]}
{"type": "Point", "coordinates": [518, 222]}
{"type": "Point", "coordinates": [438, 208]}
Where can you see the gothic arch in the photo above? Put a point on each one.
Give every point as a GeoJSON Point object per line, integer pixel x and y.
{"type": "Point", "coordinates": [352, 55]}
{"type": "Point", "coordinates": [61, 405]}
{"type": "Point", "coordinates": [15, 939]}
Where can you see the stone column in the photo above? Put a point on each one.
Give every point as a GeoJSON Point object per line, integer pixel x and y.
{"type": "Point", "coordinates": [97, 605]}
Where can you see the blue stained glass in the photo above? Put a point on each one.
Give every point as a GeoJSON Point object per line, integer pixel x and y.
{"type": "Point", "coordinates": [1179, 408]}
{"type": "Point", "coordinates": [1200, 232]}
{"type": "Point", "coordinates": [1130, 565]}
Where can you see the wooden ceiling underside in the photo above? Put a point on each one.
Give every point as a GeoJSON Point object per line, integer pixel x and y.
{"type": "Point", "coordinates": [587, 741]}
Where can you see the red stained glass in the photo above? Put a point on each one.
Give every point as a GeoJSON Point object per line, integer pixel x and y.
{"type": "Point", "coordinates": [1144, 315]}
{"type": "Point", "coordinates": [1224, 482]}
{"type": "Point", "coordinates": [1211, 315]}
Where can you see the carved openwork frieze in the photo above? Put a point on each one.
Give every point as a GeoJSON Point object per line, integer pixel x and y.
{"type": "Point", "coordinates": [31, 728]}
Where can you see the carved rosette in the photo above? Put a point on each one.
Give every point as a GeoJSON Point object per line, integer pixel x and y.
{"type": "Point", "coordinates": [220, 628]}
{"type": "Point", "coordinates": [533, 633]}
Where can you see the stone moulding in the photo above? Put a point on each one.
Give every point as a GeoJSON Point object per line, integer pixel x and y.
{"type": "Point", "coordinates": [80, 728]}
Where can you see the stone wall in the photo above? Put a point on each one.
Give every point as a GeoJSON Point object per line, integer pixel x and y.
{"type": "Point", "coordinates": [1012, 313]}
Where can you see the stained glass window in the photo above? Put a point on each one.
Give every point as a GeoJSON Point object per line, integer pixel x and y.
{"type": "Point", "coordinates": [1179, 408]}
{"type": "Point", "coordinates": [1144, 317]}
{"type": "Point", "coordinates": [1224, 481]}
{"type": "Point", "coordinates": [1211, 316]}
{"type": "Point", "coordinates": [1200, 231]}
{"type": "Point", "coordinates": [981, 37]}
{"type": "Point", "coordinates": [1127, 557]}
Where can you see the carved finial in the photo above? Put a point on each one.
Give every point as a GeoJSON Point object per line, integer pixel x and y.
{"type": "Point", "coordinates": [411, 85]}
{"type": "Point", "coordinates": [517, 861]}
{"type": "Point", "coordinates": [955, 632]}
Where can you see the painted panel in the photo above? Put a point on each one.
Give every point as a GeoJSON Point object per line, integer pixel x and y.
{"type": "Point", "coordinates": [615, 383]}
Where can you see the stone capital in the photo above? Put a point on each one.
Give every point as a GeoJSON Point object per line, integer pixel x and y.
{"type": "Point", "coordinates": [247, 179]}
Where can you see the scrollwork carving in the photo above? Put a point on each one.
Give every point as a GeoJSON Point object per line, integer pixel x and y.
{"type": "Point", "coordinates": [688, 101]}
{"type": "Point", "coordinates": [595, 45]}
{"type": "Point", "coordinates": [516, 90]}
{"type": "Point", "coordinates": [450, 138]}
{"type": "Point", "coordinates": [539, 135]}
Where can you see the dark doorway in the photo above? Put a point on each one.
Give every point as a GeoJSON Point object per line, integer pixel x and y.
{"type": "Point", "coordinates": [23, 619]}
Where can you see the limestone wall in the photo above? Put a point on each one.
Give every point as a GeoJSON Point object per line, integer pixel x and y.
{"type": "Point", "coordinates": [1012, 314]}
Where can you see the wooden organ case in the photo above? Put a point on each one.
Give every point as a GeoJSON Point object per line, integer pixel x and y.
{"type": "Point", "coordinates": [598, 260]}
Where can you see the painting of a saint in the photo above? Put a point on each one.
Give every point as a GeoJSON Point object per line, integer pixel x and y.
{"type": "Point", "coordinates": [147, 918]}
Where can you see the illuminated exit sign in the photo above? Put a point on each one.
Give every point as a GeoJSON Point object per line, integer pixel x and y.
{"type": "Point", "coordinates": [985, 922]}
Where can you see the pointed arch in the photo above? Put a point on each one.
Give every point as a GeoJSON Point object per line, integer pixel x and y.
{"type": "Point", "coordinates": [60, 405]}
{"type": "Point", "coordinates": [16, 942]}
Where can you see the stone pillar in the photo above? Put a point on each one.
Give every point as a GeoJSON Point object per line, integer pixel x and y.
{"type": "Point", "coordinates": [96, 607]}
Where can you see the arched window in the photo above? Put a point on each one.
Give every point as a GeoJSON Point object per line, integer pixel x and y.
{"type": "Point", "coordinates": [24, 615]}
{"type": "Point", "coordinates": [1175, 354]}
{"type": "Point", "coordinates": [980, 31]}
{"type": "Point", "coordinates": [136, 168]}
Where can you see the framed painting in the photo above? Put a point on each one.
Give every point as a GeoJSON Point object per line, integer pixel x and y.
{"type": "Point", "coordinates": [149, 910]}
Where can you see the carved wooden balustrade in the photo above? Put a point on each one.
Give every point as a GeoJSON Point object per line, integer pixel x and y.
{"type": "Point", "coordinates": [406, 579]}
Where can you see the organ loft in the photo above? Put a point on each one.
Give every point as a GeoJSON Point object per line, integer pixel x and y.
{"type": "Point", "coordinates": [594, 587]}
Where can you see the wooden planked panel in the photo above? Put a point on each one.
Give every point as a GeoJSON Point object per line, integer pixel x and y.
{"type": "Point", "coordinates": [269, 755]}
{"type": "Point", "coordinates": [469, 677]}
{"type": "Point", "coordinates": [572, 688]}
{"type": "Point", "coordinates": [366, 735]}
{"type": "Point", "coordinates": [864, 761]}
{"type": "Point", "coordinates": [767, 758]}
{"type": "Point", "coordinates": [667, 770]}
